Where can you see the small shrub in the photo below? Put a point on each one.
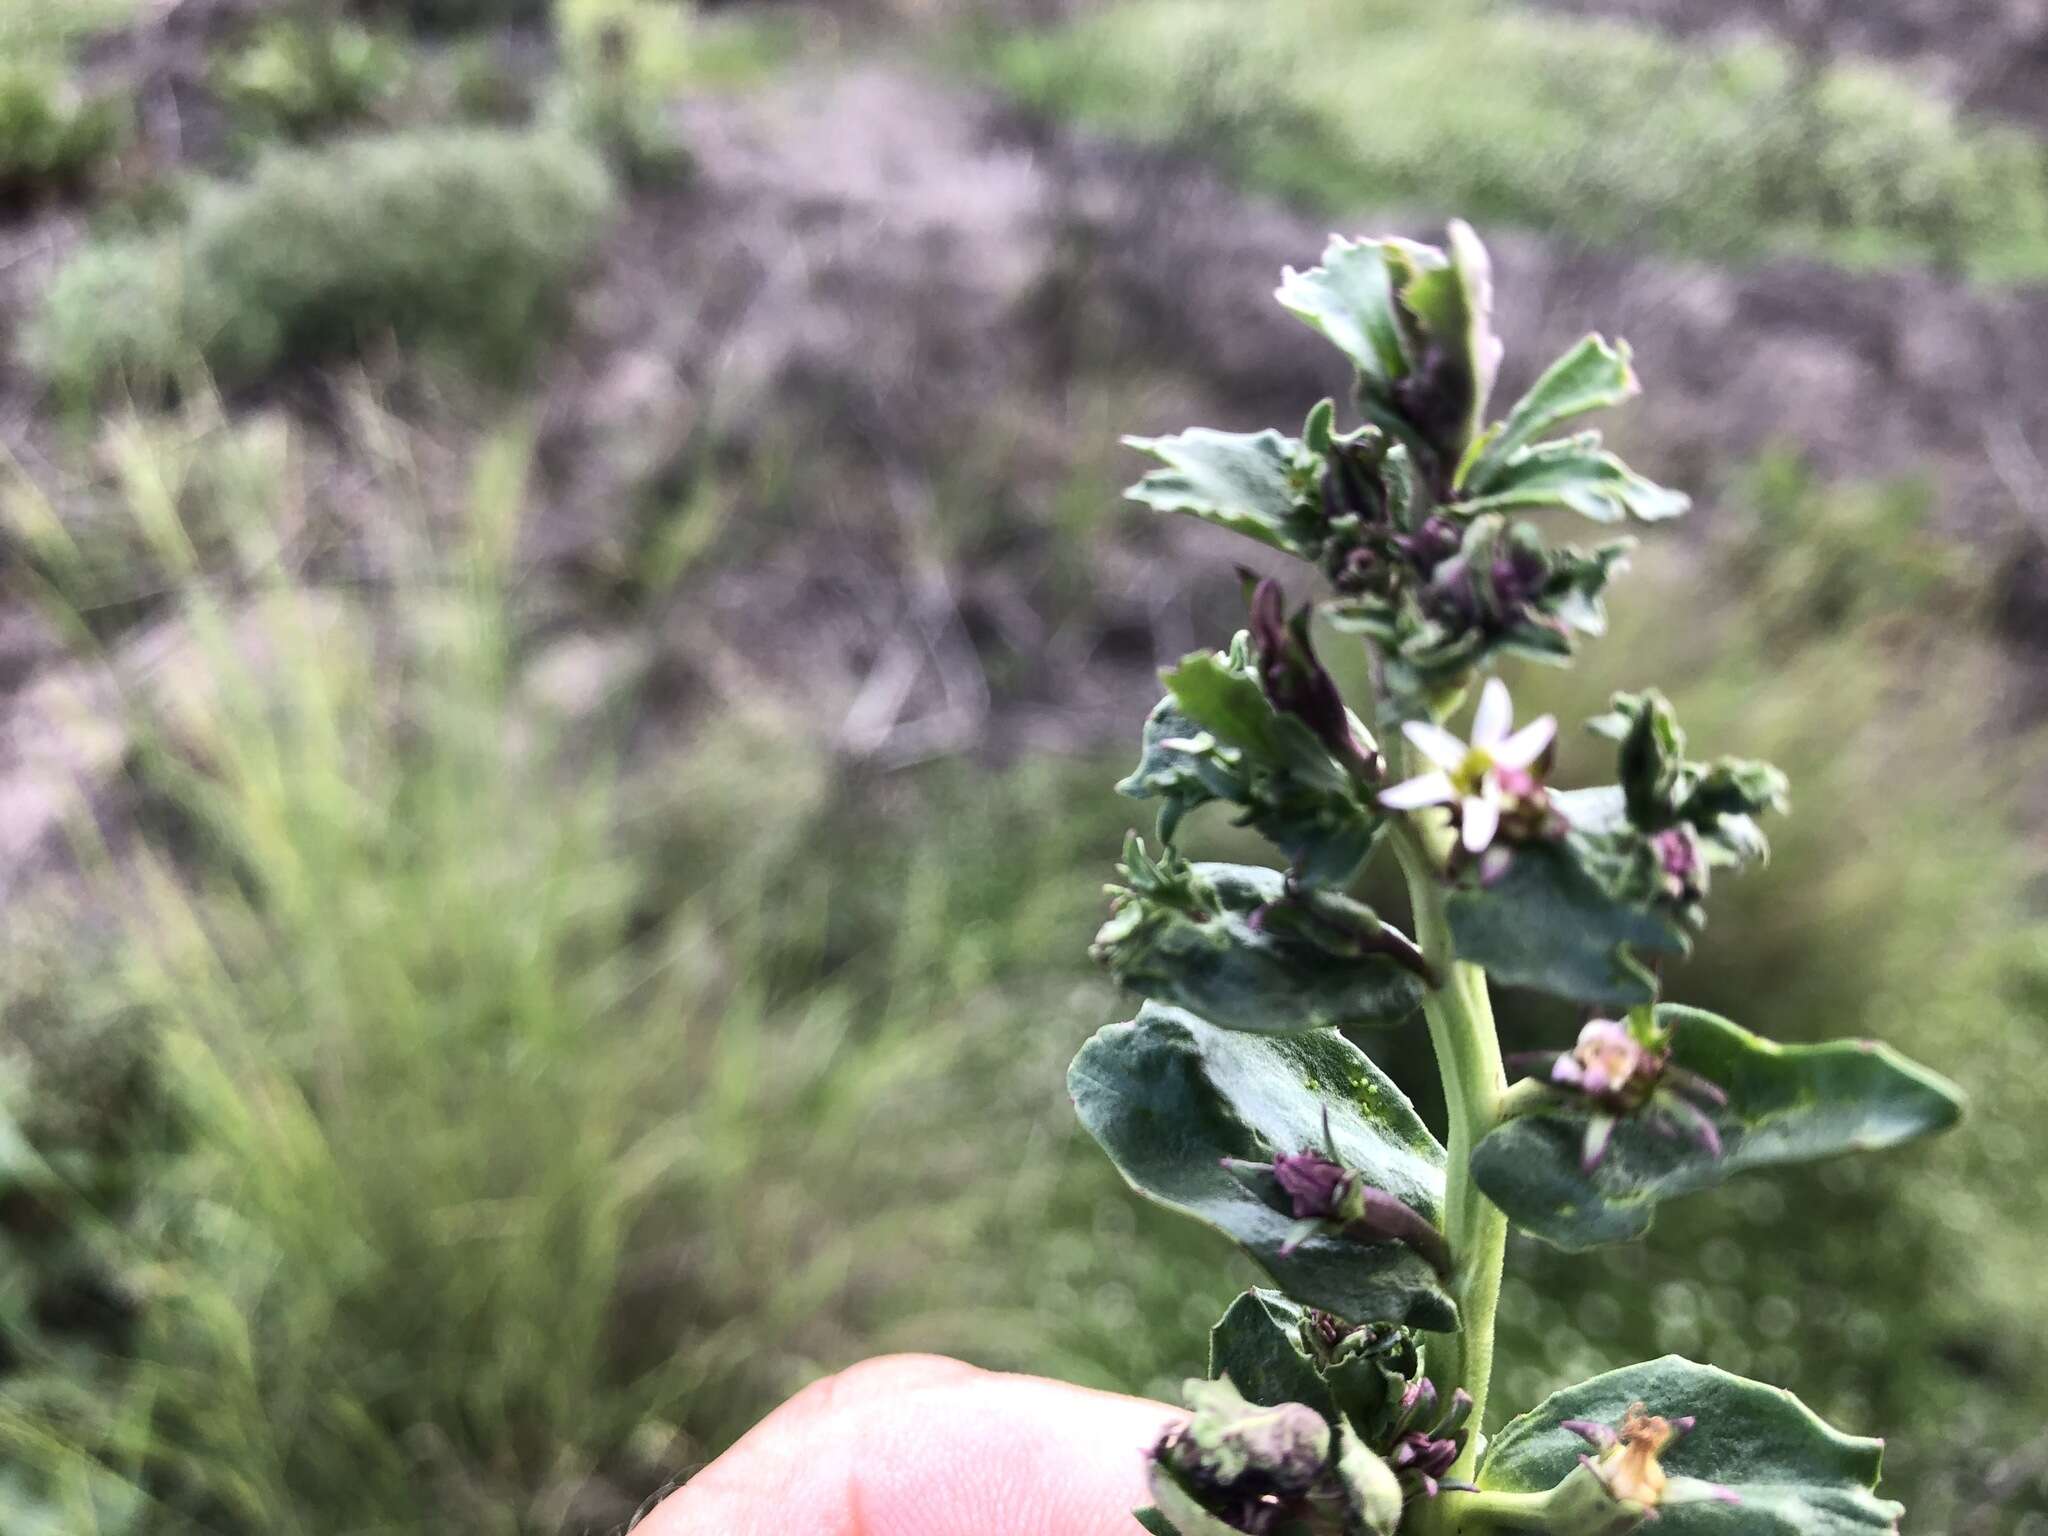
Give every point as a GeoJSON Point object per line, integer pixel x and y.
{"type": "Point", "coordinates": [1596, 130]}
{"type": "Point", "coordinates": [52, 137]}
{"type": "Point", "coordinates": [460, 242]}
{"type": "Point", "coordinates": [116, 310]}
{"type": "Point", "coordinates": [478, 81]}
{"type": "Point", "coordinates": [297, 77]}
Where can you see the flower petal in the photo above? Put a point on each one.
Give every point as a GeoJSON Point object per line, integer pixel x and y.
{"type": "Point", "coordinates": [1482, 820]}
{"type": "Point", "coordinates": [1599, 1132]}
{"type": "Point", "coordinates": [1527, 744]}
{"type": "Point", "coordinates": [1693, 1490]}
{"type": "Point", "coordinates": [1414, 794]}
{"type": "Point", "coordinates": [1435, 743]}
{"type": "Point", "coordinates": [1495, 714]}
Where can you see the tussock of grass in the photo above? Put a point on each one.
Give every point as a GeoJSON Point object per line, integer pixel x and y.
{"type": "Point", "coordinates": [52, 137]}
{"type": "Point", "coordinates": [462, 242]}
{"type": "Point", "coordinates": [1590, 130]}
{"type": "Point", "coordinates": [540, 1126]}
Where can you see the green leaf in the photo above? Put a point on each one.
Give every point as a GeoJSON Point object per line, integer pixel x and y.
{"type": "Point", "coordinates": [1253, 483]}
{"type": "Point", "coordinates": [1257, 1344]}
{"type": "Point", "coordinates": [1786, 1104]}
{"type": "Point", "coordinates": [1454, 303]}
{"type": "Point", "coordinates": [1183, 765]}
{"type": "Point", "coordinates": [1793, 1473]}
{"type": "Point", "coordinates": [1215, 737]}
{"type": "Point", "coordinates": [1548, 923]}
{"type": "Point", "coordinates": [1261, 1345]}
{"type": "Point", "coordinates": [1577, 474]}
{"type": "Point", "coordinates": [1229, 942]}
{"type": "Point", "coordinates": [1590, 377]}
{"type": "Point", "coordinates": [1155, 1522]}
{"type": "Point", "coordinates": [1226, 699]}
{"type": "Point", "coordinates": [1169, 1096]}
{"type": "Point", "coordinates": [1350, 299]}
{"type": "Point", "coordinates": [1371, 1489]}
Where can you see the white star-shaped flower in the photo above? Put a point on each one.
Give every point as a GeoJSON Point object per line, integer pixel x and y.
{"type": "Point", "coordinates": [1482, 777]}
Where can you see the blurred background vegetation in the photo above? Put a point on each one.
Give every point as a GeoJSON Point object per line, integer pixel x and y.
{"type": "Point", "coordinates": [565, 630]}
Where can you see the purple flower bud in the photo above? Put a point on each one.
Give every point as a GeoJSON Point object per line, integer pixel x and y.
{"type": "Point", "coordinates": [1293, 680]}
{"type": "Point", "coordinates": [1316, 1185]}
{"type": "Point", "coordinates": [1427, 1443]}
{"type": "Point", "coordinates": [1679, 862]}
{"type": "Point", "coordinates": [1352, 486]}
{"type": "Point", "coordinates": [1253, 1467]}
{"type": "Point", "coordinates": [1431, 544]}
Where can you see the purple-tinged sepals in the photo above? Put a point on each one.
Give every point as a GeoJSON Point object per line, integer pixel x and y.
{"type": "Point", "coordinates": [1250, 1468]}
{"type": "Point", "coordinates": [1623, 1070]}
{"type": "Point", "coordinates": [1237, 1467]}
{"type": "Point", "coordinates": [1682, 863]}
{"type": "Point", "coordinates": [1295, 682]}
{"type": "Point", "coordinates": [1691, 817]}
{"type": "Point", "coordinates": [1317, 1186]}
{"type": "Point", "coordinates": [1621, 1483]}
{"type": "Point", "coordinates": [1323, 1195]}
{"type": "Point", "coordinates": [1427, 1439]}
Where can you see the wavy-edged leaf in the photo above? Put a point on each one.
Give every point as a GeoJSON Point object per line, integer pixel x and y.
{"type": "Point", "coordinates": [1590, 377]}
{"type": "Point", "coordinates": [1548, 923]}
{"type": "Point", "coordinates": [1576, 473]}
{"type": "Point", "coordinates": [1215, 737]}
{"type": "Point", "coordinates": [1793, 1473]}
{"type": "Point", "coordinates": [1169, 1097]}
{"type": "Point", "coordinates": [1786, 1104]}
{"type": "Point", "coordinates": [1227, 942]}
{"type": "Point", "coordinates": [1222, 696]}
{"type": "Point", "coordinates": [1454, 304]}
{"type": "Point", "coordinates": [1182, 765]}
{"type": "Point", "coordinates": [1350, 299]}
{"type": "Point", "coordinates": [1257, 1344]}
{"type": "Point", "coordinates": [1253, 483]}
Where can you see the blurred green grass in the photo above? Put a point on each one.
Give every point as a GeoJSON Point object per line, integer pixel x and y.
{"type": "Point", "coordinates": [531, 1124]}
{"type": "Point", "coordinates": [1594, 131]}
{"type": "Point", "coordinates": [52, 27]}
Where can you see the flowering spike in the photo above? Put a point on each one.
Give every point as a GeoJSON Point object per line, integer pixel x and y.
{"type": "Point", "coordinates": [1253, 973]}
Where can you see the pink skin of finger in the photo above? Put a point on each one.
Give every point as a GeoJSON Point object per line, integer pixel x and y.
{"type": "Point", "coordinates": [915, 1445]}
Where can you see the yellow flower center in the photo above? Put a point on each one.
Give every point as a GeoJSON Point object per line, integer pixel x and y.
{"type": "Point", "coordinates": [1630, 1468]}
{"type": "Point", "coordinates": [1469, 775]}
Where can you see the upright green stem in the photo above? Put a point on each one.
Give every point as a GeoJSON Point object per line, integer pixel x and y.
{"type": "Point", "coordinates": [1468, 1056]}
